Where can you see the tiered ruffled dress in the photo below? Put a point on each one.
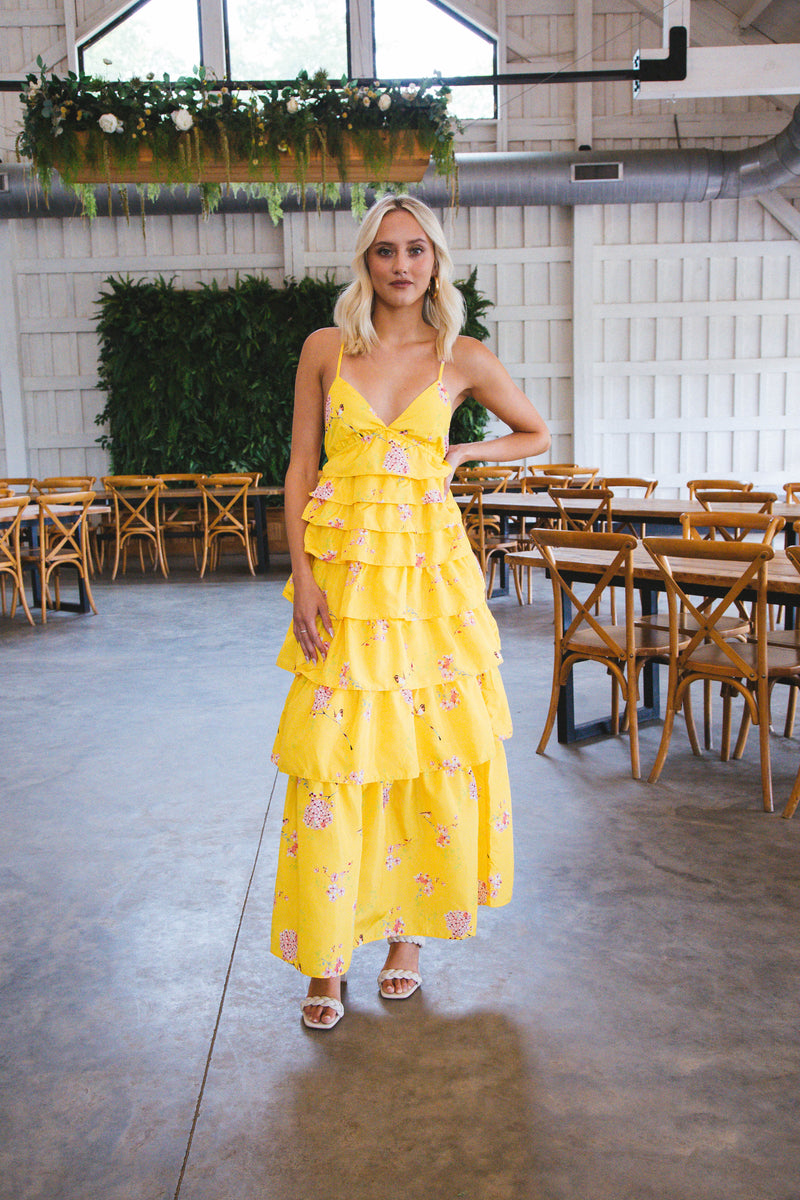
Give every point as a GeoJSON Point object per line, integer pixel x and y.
{"type": "Point", "coordinates": [397, 815]}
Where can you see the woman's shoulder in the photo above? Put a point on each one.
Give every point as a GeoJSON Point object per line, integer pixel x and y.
{"type": "Point", "coordinates": [470, 355]}
{"type": "Point", "coordinates": [322, 341]}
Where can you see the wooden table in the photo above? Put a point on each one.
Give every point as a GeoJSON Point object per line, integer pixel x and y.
{"type": "Point", "coordinates": [660, 516]}
{"type": "Point", "coordinates": [696, 578]}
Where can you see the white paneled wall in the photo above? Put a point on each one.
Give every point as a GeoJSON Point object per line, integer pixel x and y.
{"type": "Point", "coordinates": [695, 312]}
{"type": "Point", "coordinates": [697, 317]}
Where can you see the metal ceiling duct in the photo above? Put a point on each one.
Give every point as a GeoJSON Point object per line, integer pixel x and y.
{"type": "Point", "coordinates": [496, 180]}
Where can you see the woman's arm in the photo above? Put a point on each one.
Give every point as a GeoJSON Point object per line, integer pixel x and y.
{"type": "Point", "coordinates": [301, 479]}
{"type": "Point", "coordinates": [487, 380]}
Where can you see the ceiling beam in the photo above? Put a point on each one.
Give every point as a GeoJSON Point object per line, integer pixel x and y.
{"type": "Point", "coordinates": [783, 212]}
{"type": "Point", "coordinates": [755, 10]}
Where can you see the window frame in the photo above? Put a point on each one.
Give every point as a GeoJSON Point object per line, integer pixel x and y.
{"type": "Point", "coordinates": [118, 20]}
{"type": "Point", "coordinates": [462, 19]}
{"type": "Point", "coordinates": [356, 54]}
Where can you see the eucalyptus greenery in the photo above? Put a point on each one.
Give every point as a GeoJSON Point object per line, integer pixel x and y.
{"type": "Point", "coordinates": [203, 380]}
{"type": "Point", "coordinates": [76, 122]}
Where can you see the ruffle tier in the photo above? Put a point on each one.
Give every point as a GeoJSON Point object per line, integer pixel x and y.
{"type": "Point", "coordinates": [367, 488]}
{"type": "Point", "coordinates": [368, 591]}
{"type": "Point", "coordinates": [358, 863]}
{"type": "Point", "coordinates": [342, 735]}
{"type": "Point", "coordinates": [375, 655]}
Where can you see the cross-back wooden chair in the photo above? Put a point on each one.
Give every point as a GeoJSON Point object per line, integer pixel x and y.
{"type": "Point", "coordinates": [575, 477]}
{"type": "Point", "coordinates": [629, 485]}
{"type": "Point", "coordinates": [535, 479]}
{"type": "Point", "coordinates": [725, 485]}
{"type": "Point", "coordinates": [717, 500]}
{"type": "Point", "coordinates": [137, 518]}
{"type": "Point", "coordinates": [731, 526]}
{"type": "Point", "coordinates": [11, 510]}
{"type": "Point", "coordinates": [487, 545]}
{"type": "Point", "coordinates": [792, 491]}
{"type": "Point", "coordinates": [573, 512]}
{"type": "Point", "coordinates": [18, 483]}
{"type": "Point", "coordinates": [491, 479]}
{"type": "Point", "coordinates": [65, 483]}
{"type": "Point", "coordinates": [181, 516]}
{"type": "Point", "coordinates": [63, 542]}
{"type": "Point", "coordinates": [746, 667]}
{"type": "Point", "coordinates": [225, 515]}
{"type": "Point", "coordinates": [621, 648]}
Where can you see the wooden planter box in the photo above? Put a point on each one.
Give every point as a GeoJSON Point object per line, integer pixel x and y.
{"type": "Point", "coordinates": [404, 168]}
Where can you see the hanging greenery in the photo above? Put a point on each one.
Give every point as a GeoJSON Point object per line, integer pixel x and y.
{"type": "Point", "coordinates": [203, 380]}
{"type": "Point", "coordinates": [193, 131]}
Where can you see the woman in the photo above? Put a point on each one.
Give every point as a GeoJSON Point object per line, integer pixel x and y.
{"type": "Point", "coordinates": [397, 818]}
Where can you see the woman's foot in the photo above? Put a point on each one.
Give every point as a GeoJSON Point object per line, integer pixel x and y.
{"type": "Point", "coordinates": [316, 1013]}
{"type": "Point", "coordinates": [403, 962]}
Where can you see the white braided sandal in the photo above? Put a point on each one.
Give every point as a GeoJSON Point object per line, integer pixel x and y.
{"type": "Point", "coordinates": [400, 972]}
{"type": "Point", "coordinates": [330, 1002]}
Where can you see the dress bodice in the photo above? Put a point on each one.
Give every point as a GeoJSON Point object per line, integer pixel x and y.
{"type": "Point", "coordinates": [358, 441]}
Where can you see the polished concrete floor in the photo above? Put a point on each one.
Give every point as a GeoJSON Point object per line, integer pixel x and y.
{"type": "Point", "coordinates": [626, 1029]}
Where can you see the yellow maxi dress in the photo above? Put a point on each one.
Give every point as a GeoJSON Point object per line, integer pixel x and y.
{"type": "Point", "coordinates": [398, 814]}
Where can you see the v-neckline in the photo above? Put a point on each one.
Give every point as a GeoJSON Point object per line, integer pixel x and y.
{"type": "Point", "coordinates": [408, 407]}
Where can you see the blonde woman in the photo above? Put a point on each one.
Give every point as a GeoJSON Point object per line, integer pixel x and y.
{"type": "Point", "coordinates": [397, 822]}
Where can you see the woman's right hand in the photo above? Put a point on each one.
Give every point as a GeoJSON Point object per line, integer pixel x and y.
{"type": "Point", "coordinates": [310, 604]}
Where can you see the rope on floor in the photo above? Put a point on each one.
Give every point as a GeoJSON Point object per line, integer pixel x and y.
{"type": "Point", "coordinates": [196, 1116]}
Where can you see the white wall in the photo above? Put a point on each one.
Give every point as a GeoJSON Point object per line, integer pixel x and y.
{"type": "Point", "coordinates": [655, 339]}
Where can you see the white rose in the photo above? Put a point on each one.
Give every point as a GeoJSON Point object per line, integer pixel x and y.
{"type": "Point", "coordinates": [367, 102]}
{"type": "Point", "coordinates": [182, 119]}
{"type": "Point", "coordinates": [109, 123]}
{"type": "Point", "coordinates": [384, 102]}
{"type": "Point", "coordinates": [292, 106]}
{"type": "Point", "coordinates": [408, 93]}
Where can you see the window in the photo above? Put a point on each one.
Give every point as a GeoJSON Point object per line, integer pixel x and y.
{"type": "Point", "coordinates": [155, 35]}
{"type": "Point", "coordinates": [415, 38]}
{"type": "Point", "coordinates": [277, 40]}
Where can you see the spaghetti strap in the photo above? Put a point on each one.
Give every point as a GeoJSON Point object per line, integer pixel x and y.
{"type": "Point", "coordinates": [339, 362]}
{"type": "Point", "coordinates": [441, 371]}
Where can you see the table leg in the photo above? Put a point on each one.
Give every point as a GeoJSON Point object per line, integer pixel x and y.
{"type": "Point", "coordinates": [262, 540]}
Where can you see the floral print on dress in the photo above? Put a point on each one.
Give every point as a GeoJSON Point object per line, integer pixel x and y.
{"type": "Point", "coordinates": [446, 669]}
{"type": "Point", "coordinates": [405, 512]}
{"type": "Point", "coordinates": [458, 923]}
{"type": "Point", "coordinates": [288, 943]}
{"type": "Point", "coordinates": [396, 459]}
{"type": "Point", "coordinates": [449, 700]}
{"type": "Point", "coordinates": [318, 812]}
{"type": "Point", "coordinates": [322, 698]}
{"type": "Point", "coordinates": [377, 632]}
{"type": "Point", "coordinates": [432, 496]}
{"type": "Point", "coordinates": [323, 490]}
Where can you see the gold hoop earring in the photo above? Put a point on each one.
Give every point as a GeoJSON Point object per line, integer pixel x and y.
{"type": "Point", "coordinates": [433, 287]}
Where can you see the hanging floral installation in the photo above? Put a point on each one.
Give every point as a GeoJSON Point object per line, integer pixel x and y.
{"type": "Point", "coordinates": [194, 132]}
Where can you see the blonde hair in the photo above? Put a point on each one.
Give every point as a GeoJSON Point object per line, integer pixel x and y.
{"type": "Point", "coordinates": [353, 311]}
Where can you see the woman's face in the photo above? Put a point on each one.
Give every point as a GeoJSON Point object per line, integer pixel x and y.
{"type": "Point", "coordinates": [401, 260]}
